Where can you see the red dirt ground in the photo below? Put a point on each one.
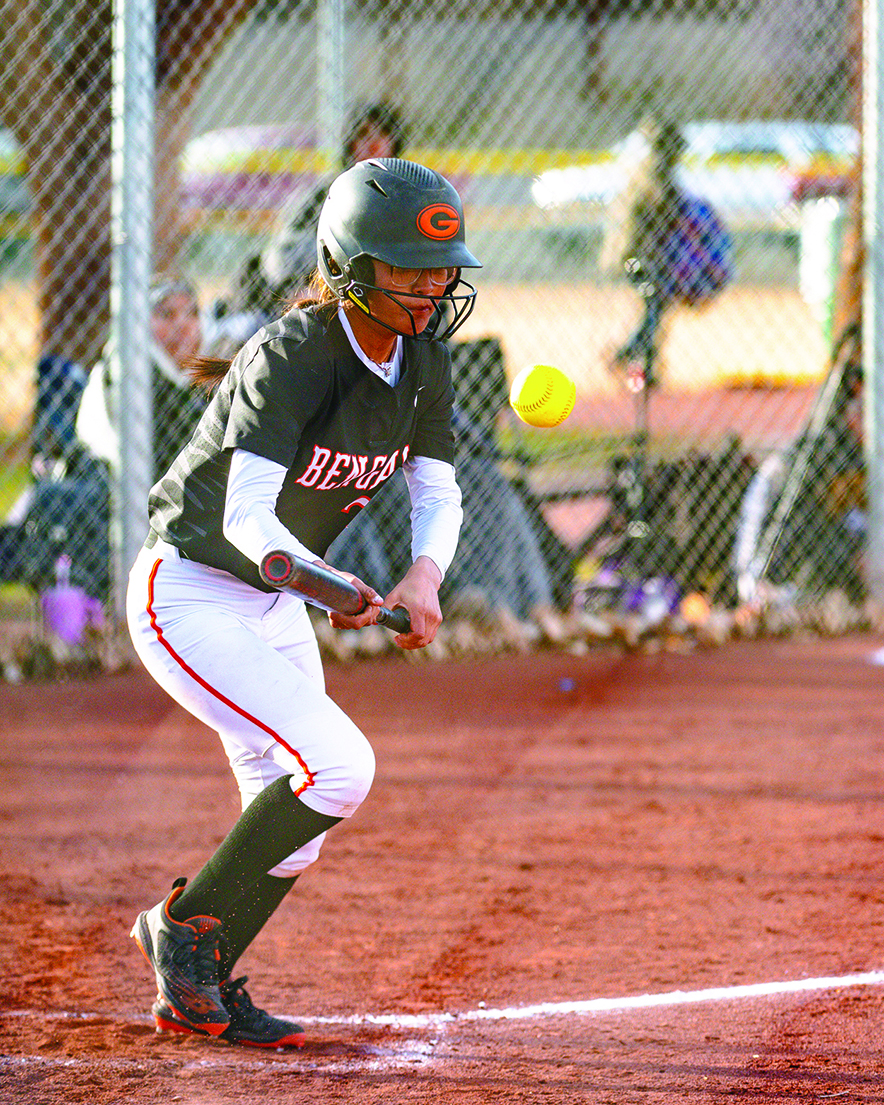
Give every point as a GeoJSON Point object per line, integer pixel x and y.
{"type": "Point", "coordinates": [543, 830]}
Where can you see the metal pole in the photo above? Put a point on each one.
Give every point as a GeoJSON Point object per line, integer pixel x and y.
{"type": "Point", "coordinates": [873, 284]}
{"type": "Point", "coordinates": [330, 79]}
{"type": "Point", "coordinates": [132, 173]}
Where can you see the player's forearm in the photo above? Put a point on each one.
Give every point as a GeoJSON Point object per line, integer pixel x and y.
{"type": "Point", "coordinates": [259, 532]}
{"type": "Point", "coordinates": [250, 521]}
{"type": "Point", "coordinates": [436, 512]}
{"type": "Point", "coordinates": [434, 535]}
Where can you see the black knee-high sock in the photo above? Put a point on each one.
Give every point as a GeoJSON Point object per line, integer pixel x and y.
{"type": "Point", "coordinates": [273, 826]}
{"type": "Point", "coordinates": [247, 916]}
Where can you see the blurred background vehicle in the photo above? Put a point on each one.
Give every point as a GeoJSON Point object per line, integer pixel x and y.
{"type": "Point", "coordinates": [754, 171]}
{"type": "Point", "coordinates": [249, 170]}
{"type": "Point", "coordinates": [237, 180]}
{"type": "Point", "coordinates": [250, 173]}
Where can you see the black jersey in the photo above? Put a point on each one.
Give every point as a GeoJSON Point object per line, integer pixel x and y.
{"type": "Point", "coordinates": [298, 395]}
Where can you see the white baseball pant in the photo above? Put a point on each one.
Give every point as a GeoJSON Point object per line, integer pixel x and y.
{"type": "Point", "coordinates": [247, 664]}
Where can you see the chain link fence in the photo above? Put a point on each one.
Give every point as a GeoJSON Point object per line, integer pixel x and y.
{"type": "Point", "coordinates": [715, 448]}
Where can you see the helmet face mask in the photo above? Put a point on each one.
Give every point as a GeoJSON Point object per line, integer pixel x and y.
{"type": "Point", "coordinates": [452, 307]}
{"type": "Point", "coordinates": [407, 216]}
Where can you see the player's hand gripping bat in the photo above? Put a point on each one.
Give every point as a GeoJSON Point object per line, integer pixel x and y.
{"type": "Point", "coordinates": [325, 589]}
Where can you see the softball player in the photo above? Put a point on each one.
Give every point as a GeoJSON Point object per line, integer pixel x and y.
{"type": "Point", "coordinates": [313, 415]}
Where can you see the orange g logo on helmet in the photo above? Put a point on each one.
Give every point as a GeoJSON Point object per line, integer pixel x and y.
{"type": "Point", "coordinates": [439, 221]}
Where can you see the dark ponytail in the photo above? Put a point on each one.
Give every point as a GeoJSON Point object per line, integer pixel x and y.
{"type": "Point", "coordinates": [208, 372]}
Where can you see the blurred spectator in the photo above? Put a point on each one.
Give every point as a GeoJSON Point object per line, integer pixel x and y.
{"type": "Point", "coordinates": [56, 455]}
{"type": "Point", "coordinates": [271, 279]}
{"type": "Point", "coordinates": [177, 335]}
{"type": "Point", "coordinates": [60, 385]}
{"type": "Point", "coordinates": [803, 518]}
{"type": "Point", "coordinates": [289, 258]}
{"type": "Point", "coordinates": [498, 553]}
{"type": "Point", "coordinates": [677, 250]}
{"type": "Point", "coordinates": [58, 533]}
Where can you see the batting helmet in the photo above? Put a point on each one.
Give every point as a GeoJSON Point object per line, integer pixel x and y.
{"type": "Point", "coordinates": [403, 214]}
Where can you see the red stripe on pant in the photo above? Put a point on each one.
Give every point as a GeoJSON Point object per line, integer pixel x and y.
{"type": "Point", "coordinates": [157, 628]}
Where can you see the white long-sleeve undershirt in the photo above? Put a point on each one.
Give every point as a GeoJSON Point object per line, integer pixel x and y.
{"type": "Point", "coordinates": [252, 526]}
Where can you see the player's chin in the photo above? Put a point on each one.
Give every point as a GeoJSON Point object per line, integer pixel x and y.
{"type": "Point", "coordinates": [421, 316]}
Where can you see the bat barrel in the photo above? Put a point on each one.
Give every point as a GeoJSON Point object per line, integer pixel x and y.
{"type": "Point", "coordinates": [324, 588]}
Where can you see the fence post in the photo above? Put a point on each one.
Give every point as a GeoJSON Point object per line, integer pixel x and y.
{"type": "Point", "coordinates": [132, 171]}
{"type": "Point", "coordinates": [873, 282]}
{"type": "Point", "coordinates": [330, 30]}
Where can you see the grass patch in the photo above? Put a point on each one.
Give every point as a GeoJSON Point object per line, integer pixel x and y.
{"type": "Point", "coordinates": [16, 601]}
{"type": "Point", "coordinates": [579, 448]}
{"type": "Point", "coordinates": [16, 475]}
{"type": "Point", "coordinates": [542, 447]}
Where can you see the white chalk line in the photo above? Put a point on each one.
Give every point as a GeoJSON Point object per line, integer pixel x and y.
{"type": "Point", "coordinates": [414, 1052]}
{"type": "Point", "coordinates": [612, 1005]}
{"type": "Point", "coordinates": [549, 1009]}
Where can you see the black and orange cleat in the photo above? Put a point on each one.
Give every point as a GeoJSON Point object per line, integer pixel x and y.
{"type": "Point", "coordinates": [184, 956]}
{"type": "Point", "coordinates": [248, 1026]}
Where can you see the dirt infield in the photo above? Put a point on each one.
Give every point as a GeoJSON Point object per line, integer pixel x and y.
{"type": "Point", "coordinates": [618, 879]}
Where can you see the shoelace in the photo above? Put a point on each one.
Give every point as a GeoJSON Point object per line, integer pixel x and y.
{"type": "Point", "coordinates": [235, 994]}
{"type": "Point", "coordinates": [205, 957]}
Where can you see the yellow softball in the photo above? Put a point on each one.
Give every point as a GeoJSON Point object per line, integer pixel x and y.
{"type": "Point", "coordinates": [542, 395]}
